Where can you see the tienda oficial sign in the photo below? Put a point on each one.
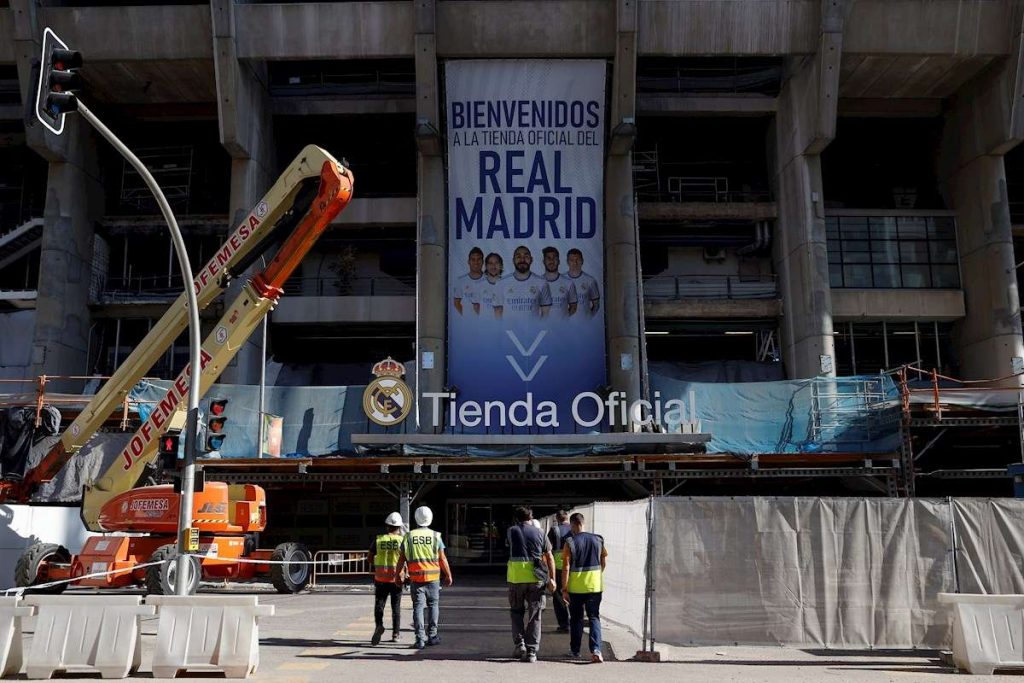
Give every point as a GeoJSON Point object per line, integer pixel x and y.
{"type": "Point", "coordinates": [587, 410]}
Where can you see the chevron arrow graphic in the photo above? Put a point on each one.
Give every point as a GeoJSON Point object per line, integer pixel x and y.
{"type": "Point", "coordinates": [519, 371]}
{"type": "Point", "coordinates": [519, 345]}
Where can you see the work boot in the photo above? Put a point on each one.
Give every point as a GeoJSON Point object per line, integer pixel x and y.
{"type": "Point", "coordinates": [377, 633]}
{"type": "Point", "coordinates": [519, 652]}
{"type": "Point", "coordinates": [434, 640]}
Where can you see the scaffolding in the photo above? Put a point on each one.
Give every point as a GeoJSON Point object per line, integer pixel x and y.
{"type": "Point", "coordinates": [937, 411]}
{"type": "Point", "coordinates": [172, 169]}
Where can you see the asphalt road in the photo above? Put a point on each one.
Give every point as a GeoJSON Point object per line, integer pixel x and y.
{"type": "Point", "coordinates": [324, 636]}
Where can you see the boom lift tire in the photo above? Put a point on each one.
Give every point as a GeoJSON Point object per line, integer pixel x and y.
{"type": "Point", "coordinates": [26, 571]}
{"type": "Point", "coordinates": [294, 575]}
{"type": "Point", "coordinates": [160, 578]}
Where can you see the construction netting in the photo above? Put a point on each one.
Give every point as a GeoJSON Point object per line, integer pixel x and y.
{"type": "Point", "coordinates": [809, 572]}
{"type": "Point", "coordinates": [843, 414]}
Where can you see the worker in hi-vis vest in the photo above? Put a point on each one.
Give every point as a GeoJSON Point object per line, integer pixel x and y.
{"type": "Point", "coordinates": [583, 563]}
{"type": "Point", "coordinates": [530, 572]}
{"type": "Point", "coordinates": [556, 535]}
{"type": "Point", "coordinates": [423, 554]}
{"type": "Point", "coordinates": [387, 581]}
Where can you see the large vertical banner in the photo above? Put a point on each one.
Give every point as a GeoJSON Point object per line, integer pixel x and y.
{"type": "Point", "coordinates": [525, 242]}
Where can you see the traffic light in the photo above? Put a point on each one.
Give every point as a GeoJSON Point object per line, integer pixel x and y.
{"type": "Point", "coordinates": [170, 444]}
{"type": "Point", "coordinates": [58, 80]}
{"type": "Point", "coordinates": [213, 435]}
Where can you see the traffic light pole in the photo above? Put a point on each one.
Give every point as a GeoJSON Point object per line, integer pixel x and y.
{"type": "Point", "coordinates": [192, 420]}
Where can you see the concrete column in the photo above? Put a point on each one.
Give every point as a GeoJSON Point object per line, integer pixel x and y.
{"type": "Point", "coordinates": [989, 337]}
{"type": "Point", "coordinates": [431, 224]}
{"type": "Point", "coordinates": [74, 201]}
{"type": "Point", "coordinates": [622, 314]}
{"type": "Point", "coordinates": [246, 131]}
{"type": "Point", "coordinates": [804, 125]}
{"type": "Point", "coordinates": [984, 122]}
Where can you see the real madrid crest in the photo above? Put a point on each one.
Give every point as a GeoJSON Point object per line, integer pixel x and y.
{"type": "Point", "coordinates": [387, 399]}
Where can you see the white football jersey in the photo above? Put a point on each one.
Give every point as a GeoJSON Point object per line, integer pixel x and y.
{"type": "Point", "coordinates": [468, 290]}
{"type": "Point", "coordinates": [525, 297]}
{"type": "Point", "coordinates": [586, 291]}
{"type": "Point", "coordinates": [563, 294]}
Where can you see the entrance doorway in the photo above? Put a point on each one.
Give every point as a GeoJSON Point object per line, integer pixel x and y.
{"type": "Point", "coordinates": [476, 529]}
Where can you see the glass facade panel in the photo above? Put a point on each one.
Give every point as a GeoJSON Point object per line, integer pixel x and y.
{"type": "Point", "coordinates": [868, 348]}
{"type": "Point", "coordinates": [945, 277]}
{"type": "Point", "coordinates": [917, 252]}
{"type": "Point", "coordinates": [913, 227]}
{"type": "Point", "coordinates": [914, 252]}
{"type": "Point", "coordinates": [916, 276]}
{"type": "Point", "coordinates": [857, 276]}
{"type": "Point", "coordinates": [886, 275]}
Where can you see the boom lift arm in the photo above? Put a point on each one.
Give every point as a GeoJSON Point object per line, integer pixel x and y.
{"type": "Point", "coordinates": [258, 297]}
{"type": "Point", "coordinates": [306, 197]}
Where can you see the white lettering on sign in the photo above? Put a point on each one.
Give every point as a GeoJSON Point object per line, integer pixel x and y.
{"type": "Point", "coordinates": [588, 409]}
{"type": "Point", "coordinates": [101, 546]}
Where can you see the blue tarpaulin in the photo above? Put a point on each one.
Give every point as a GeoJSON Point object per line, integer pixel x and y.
{"type": "Point", "coordinates": [821, 415]}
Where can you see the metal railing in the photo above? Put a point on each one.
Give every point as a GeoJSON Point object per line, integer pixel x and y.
{"type": "Point", "coordinates": [347, 84]}
{"type": "Point", "coordinates": [154, 287]}
{"type": "Point", "coordinates": [380, 285]}
{"type": "Point", "coordinates": [339, 564]}
{"type": "Point", "coordinates": [674, 287]}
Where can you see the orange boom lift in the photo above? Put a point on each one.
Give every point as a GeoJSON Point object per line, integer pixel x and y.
{"type": "Point", "coordinates": [300, 206]}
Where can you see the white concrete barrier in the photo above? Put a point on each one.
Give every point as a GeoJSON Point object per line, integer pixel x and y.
{"type": "Point", "coordinates": [86, 633]}
{"type": "Point", "coordinates": [12, 611]}
{"type": "Point", "coordinates": [988, 631]}
{"type": "Point", "coordinates": [207, 633]}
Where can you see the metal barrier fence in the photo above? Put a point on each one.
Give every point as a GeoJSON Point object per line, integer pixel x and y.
{"type": "Point", "coordinates": [707, 286]}
{"type": "Point", "coordinates": [339, 564]}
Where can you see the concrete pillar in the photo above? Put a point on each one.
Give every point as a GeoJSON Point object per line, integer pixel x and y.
{"type": "Point", "coordinates": [431, 228]}
{"type": "Point", "coordinates": [983, 123]}
{"type": "Point", "coordinates": [804, 125]}
{"type": "Point", "coordinates": [989, 337]}
{"type": "Point", "coordinates": [247, 133]}
{"type": "Point", "coordinates": [622, 314]}
{"type": "Point", "coordinates": [74, 201]}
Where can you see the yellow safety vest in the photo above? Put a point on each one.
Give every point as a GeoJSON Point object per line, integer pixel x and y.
{"type": "Point", "coordinates": [558, 553]}
{"type": "Point", "coordinates": [385, 557]}
{"type": "Point", "coordinates": [585, 573]}
{"type": "Point", "coordinates": [422, 552]}
{"type": "Point", "coordinates": [520, 567]}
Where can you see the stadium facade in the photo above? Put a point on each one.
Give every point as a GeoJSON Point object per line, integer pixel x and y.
{"type": "Point", "coordinates": [789, 188]}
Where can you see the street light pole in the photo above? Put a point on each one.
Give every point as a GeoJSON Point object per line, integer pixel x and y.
{"type": "Point", "coordinates": [192, 418]}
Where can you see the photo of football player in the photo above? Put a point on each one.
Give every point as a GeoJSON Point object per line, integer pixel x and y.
{"type": "Point", "coordinates": [563, 293]}
{"type": "Point", "coordinates": [525, 293]}
{"type": "Point", "coordinates": [588, 294]}
{"type": "Point", "coordinates": [490, 293]}
{"type": "Point", "coordinates": [467, 287]}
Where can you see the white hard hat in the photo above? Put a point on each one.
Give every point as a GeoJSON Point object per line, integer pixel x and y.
{"type": "Point", "coordinates": [424, 516]}
{"type": "Point", "coordinates": [394, 519]}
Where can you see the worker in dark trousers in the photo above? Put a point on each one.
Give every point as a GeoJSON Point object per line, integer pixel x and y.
{"type": "Point", "coordinates": [531, 572]}
{"type": "Point", "coordinates": [556, 536]}
{"type": "Point", "coordinates": [583, 562]}
{"type": "Point", "coordinates": [387, 582]}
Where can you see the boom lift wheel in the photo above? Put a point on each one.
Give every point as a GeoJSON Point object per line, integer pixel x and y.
{"type": "Point", "coordinates": [294, 575]}
{"type": "Point", "coordinates": [26, 571]}
{"type": "Point", "coordinates": [160, 578]}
